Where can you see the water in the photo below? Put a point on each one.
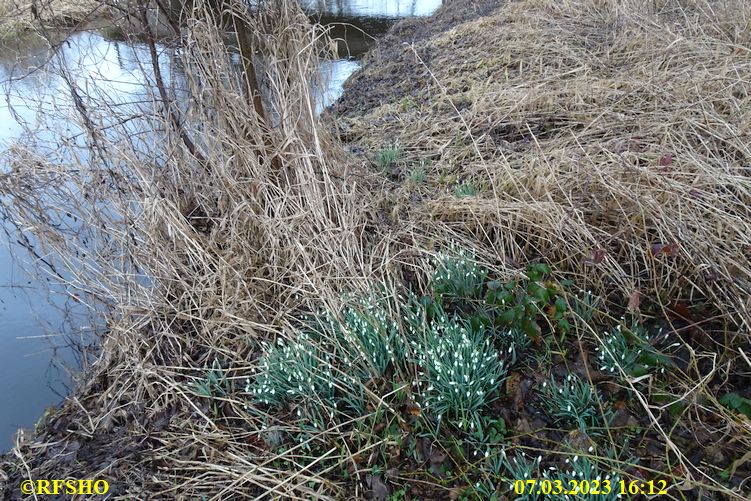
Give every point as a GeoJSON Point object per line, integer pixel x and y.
{"type": "Point", "coordinates": [358, 22]}
{"type": "Point", "coordinates": [390, 9]}
{"type": "Point", "coordinates": [39, 321]}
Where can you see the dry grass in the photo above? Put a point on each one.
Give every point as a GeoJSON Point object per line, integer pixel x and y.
{"type": "Point", "coordinates": [17, 16]}
{"type": "Point", "coordinates": [609, 138]}
{"type": "Point", "coordinates": [596, 131]}
{"type": "Point", "coordinates": [231, 220]}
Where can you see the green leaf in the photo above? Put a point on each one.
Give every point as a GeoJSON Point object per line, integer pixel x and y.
{"type": "Point", "coordinates": [530, 327]}
{"type": "Point", "coordinates": [675, 408]}
{"type": "Point", "coordinates": [507, 317]}
{"type": "Point", "coordinates": [542, 294]}
{"type": "Point", "coordinates": [479, 320]}
{"type": "Point", "coordinates": [737, 403]}
{"type": "Point", "coordinates": [564, 326]}
{"type": "Point", "coordinates": [495, 285]}
{"type": "Point", "coordinates": [492, 297]}
{"type": "Point", "coordinates": [536, 272]}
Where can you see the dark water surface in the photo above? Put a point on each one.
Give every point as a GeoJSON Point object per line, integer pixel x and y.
{"type": "Point", "coordinates": [41, 327]}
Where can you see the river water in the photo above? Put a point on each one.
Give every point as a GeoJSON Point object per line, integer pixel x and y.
{"type": "Point", "coordinates": [42, 329]}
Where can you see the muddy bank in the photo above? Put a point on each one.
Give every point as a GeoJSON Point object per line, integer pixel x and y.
{"type": "Point", "coordinates": [391, 71]}
{"type": "Point", "coordinates": [18, 17]}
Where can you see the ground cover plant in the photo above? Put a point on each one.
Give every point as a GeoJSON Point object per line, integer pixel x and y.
{"type": "Point", "coordinates": [538, 270]}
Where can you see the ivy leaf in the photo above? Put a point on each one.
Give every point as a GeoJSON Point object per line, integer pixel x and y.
{"type": "Point", "coordinates": [536, 272]}
{"type": "Point", "coordinates": [507, 317]}
{"type": "Point", "coordinates": [532, 329]}
{"type": "Point", "coordinates": [494, 285]}
{"type": "Point", "coordinates": [538, 292]}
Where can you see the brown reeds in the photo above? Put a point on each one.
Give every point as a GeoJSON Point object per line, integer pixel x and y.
{"type": "Point", "coordinates": [199, 237]}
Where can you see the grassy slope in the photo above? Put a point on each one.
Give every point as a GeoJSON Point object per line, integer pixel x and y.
{"type": "Point", "coordinates": [610, 140]}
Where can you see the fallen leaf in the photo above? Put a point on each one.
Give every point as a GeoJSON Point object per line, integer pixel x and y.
{"type": "Point", "coordinates": [666, 160]}
{"type": "Point", "coordinates": [633, 301]}
{"type": "Point", "coordinates": [431, 452]}
{"type": "Point", "coordinates": [513, 389]}
{"type": "Point", "coordinates": [623, 418]}
{"type": "Point", "coordinates": [437, 457]}
{"type": "Point", "coordinates": [379, 490]}
{"type": "Point", "coordinates": [580, 441]}
{"type": "Point", "coordinates": [523, 426]}
{"type": "Point", "coordinates": [667, 249]}
{"type": "Point", "coordinates": [680, 310]}
{"type": "Point", "coordinates": [413, 409]}
{"type": "Point", "coordinates": [352, 468]}
{"type": "Point", "coordinates": [597, 257]}
{"type": "Point", "coordinates": [679, 472]}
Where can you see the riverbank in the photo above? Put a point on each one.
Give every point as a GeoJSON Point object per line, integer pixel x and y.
{"type": "Point", "coordinates": [523, 254]}
{"type": "Point", "coordinates": [609, 140]}
{"type": "Point", "coordinates": [18, 16]}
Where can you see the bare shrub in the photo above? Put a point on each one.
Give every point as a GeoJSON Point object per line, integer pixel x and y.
{"type": "Point", "coordinates": [200, 224]}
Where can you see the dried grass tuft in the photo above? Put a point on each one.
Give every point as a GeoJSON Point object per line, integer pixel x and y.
{"type": "Point", "coordinates": [202, 226]}
{"type": "Point", "coordinates": [608, 138]}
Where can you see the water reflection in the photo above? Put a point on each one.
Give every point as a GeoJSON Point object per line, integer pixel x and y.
{"type": "Point", "coordinates": [30, 379]}
{"type": "Point", "coordinates": [355, 25]}
{"type": "Point", "coordinates": [354, 35]}
{"type": "Point", "coordinates": [40, 319]}
{"type": "Point", "coordinates": [37, 99]}
{"type": "Point", "coordinates": [373, 8]}
{"type": "Point", "coordinates": [334, 74]}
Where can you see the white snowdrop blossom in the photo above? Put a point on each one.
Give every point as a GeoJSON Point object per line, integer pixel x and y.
{"type": "Point", "coordinates": [459, 370]}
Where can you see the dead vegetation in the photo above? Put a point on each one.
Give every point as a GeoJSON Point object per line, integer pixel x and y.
{"type": "Point", "coordinates": [18, 16]}
{"type": "Point", "coordinates": [608, 139]}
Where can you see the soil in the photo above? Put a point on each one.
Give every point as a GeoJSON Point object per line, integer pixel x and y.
{"type": "Point", "coordinates": [390, 72]}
